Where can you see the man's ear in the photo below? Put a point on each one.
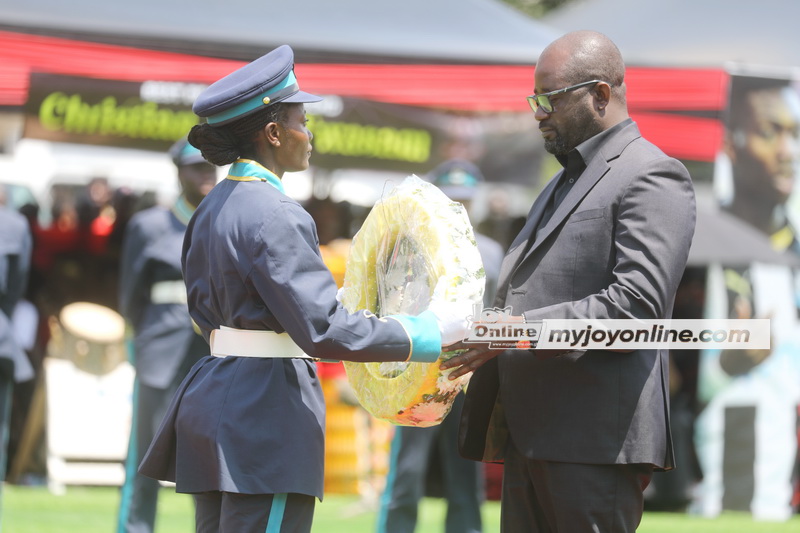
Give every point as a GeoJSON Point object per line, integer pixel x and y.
{"type": "Point", "coordinates": [602, 94]}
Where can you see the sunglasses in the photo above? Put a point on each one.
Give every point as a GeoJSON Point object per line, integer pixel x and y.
{"type": "Point", "coordinates": [543, 100]}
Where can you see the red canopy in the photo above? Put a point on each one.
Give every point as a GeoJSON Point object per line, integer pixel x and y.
{"type": "Point", "coordinates": [677, 109]}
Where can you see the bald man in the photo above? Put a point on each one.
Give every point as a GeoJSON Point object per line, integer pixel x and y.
{"type": "Point", "coordinates": [581, 432]}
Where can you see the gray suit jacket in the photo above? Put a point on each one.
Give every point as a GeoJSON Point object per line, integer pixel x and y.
{"type": "Point", "coordinates": [615, 248]}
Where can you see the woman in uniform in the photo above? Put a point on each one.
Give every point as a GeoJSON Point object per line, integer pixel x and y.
{"type": "Point", "coordinates": [245, 431]}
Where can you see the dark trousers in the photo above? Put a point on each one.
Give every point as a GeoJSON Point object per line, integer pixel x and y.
{"type": "Point", "coordinates": [139, 498]}
{"type": "Point", "coordinates": [139, 495]}
{"type": "Point", "coordinates": [461, 479]}
{"type": "Point", "coordinates": [227, 512]}
{"type": "Point", "coordinates": [6, 392]}
{"type": "Point", "coordinates": [550, 497]}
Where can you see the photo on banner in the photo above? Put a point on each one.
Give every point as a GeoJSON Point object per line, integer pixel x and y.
{"type": "Point", "coordinates": [746, 431]}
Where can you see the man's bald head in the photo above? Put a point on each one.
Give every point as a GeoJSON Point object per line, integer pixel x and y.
{"type": "Point", "coordinates": [588, 55]}
{"type": "Point", "coordinates": [579, 109]}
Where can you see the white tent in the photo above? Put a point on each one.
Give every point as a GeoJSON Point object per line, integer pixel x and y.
{"type": "Point", "coordinates": [691, 33]}
{"type": "Point", "coordinates": [471, 31]}
{"type": "Point", "coordinates": [444, 32]}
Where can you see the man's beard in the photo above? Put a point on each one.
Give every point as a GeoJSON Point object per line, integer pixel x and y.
{"type": "Point", "coordinates": [556, 146]}
{"type": "Point", "coordinates": [582, 126]}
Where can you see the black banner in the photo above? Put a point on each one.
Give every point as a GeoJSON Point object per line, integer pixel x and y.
{"type": "Point", "coordinates": [348, 132]}
{"type": "Point", "coordinates": [146, 115]}
{"type": "Point", "coordinates": [353, 133]}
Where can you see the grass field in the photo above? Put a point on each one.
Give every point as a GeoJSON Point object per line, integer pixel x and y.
{"type": "Point", "coordinates": [93, 510]}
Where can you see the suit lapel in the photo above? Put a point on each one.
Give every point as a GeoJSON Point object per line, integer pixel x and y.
{"type": "Point", "coordinates": [596, 169]}
{"type": "Point", "coordinates": [521, 242]}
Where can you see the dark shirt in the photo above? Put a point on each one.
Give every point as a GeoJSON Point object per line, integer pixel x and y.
{"type": "Point", "coordinates": [574, 164]}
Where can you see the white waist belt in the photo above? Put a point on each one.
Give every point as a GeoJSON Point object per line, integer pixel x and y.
{"type": "Point", "coordinates": [168, 292]}
{"type": "Point", "coordinates": [227, 341]}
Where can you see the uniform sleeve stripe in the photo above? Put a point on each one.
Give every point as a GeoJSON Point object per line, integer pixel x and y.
{"type": "Point", "coordinates": [423, 334]}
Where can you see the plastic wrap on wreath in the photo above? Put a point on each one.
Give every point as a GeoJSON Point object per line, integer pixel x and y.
{"type": "Point", "coordinates": [415, 240]}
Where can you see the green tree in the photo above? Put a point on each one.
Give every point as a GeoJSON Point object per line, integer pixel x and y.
{"type": "Point", "coordinates": [536, 8]}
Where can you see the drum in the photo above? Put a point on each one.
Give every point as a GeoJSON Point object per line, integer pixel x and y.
{"type": "Point", "coordinates": [92, 337]}
{"type": "Point", "coordinates": [415, 240]}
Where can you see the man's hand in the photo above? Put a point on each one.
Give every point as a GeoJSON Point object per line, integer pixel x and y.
{"type": "Point", "coordinates": [474, 356]}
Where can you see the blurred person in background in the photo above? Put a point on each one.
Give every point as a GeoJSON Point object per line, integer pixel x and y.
{"type": "Point", "coordinates": [153, 301]}
{"type": "Point", "coordinates": [355, 444]}
{"type": "Point", "coordinates": [672, 491]}
{"type": "Point", "coordinates": [499, 224]}
{"type": "Point", "coordinates": [30, 328]}
{"type": "Point", "coordinates": [15, 256]}
{"type": "Point", "coordinates": [93, 203]}
{"type": "Point", "coordinates": [421, 455]}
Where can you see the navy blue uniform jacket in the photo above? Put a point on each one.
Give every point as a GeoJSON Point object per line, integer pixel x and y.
{"type": "Point", "coordinates": [256, 425]}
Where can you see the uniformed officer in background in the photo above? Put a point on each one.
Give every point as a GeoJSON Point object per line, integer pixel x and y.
{"type": "Point", "coordinates": [153, 301]}
{"type": "Point", "coordinates": [16, 245]}
{"type": "Point", "coordinates": [425, 461]}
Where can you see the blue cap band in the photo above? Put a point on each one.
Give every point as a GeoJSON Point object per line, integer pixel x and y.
{"type": "Point", "coordinates": [285, 88]}
{"type": "Point", "coordinates": [188, 151]}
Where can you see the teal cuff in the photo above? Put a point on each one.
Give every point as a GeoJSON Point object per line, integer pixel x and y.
{"type": "Point", "coordinates": [426, 340]}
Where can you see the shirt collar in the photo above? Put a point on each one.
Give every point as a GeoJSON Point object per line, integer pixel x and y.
{"type": "Point", "coordinates": [249, 170]}
{"type": "Point", "coordinates": [591, 146]}
{"type": "Point", "coordinates": [183, 210]}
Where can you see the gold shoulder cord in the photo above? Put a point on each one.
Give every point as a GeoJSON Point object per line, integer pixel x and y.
{"type": "Point", "coordinates": [244, 178]}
